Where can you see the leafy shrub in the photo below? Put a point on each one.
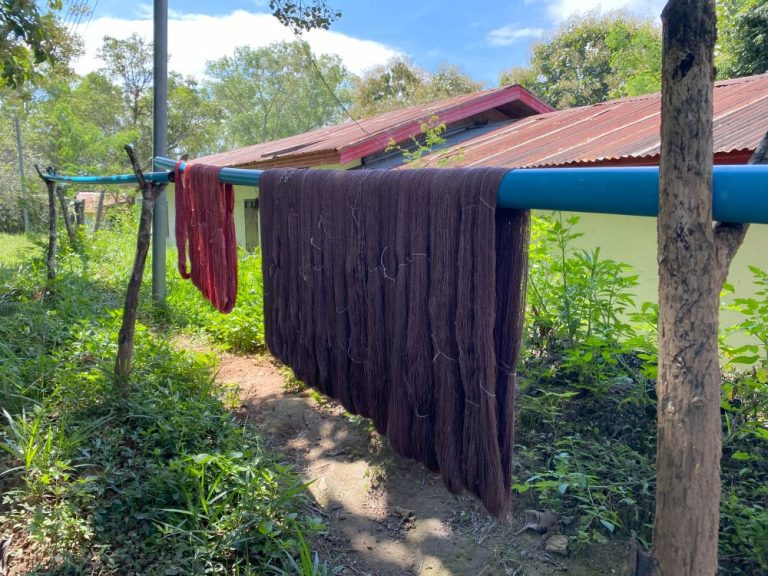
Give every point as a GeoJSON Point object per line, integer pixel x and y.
{"type": "Point", "coordinates": [578, 306]}
{"type": "Point", "coordinates": [11, 219]}
{"type": "Point", "coordinates": [587, 419]}
{"type": "Point", "coordinates": [744, 509]}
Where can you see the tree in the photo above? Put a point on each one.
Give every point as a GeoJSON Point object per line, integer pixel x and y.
{"type": "Point", "coordinates": [400, 83]}
{"type": "Point", "coordinates": [389, 87]}
{"type": "Point", "coordinates": [449, 80]}
{"type": "Point", "coordinates": [743, 38]}
{"type": "Point", "coordinates": [129, 62]}
{"type": "Point", "coordinates": [694, 258]}
{"type": "Point", "coordinates": [193, 118]}
{"type": "Point", "coordinates": [592, 58]}
{"type": "Point", "coordinates": [80, 126]}
{"type": "Point", "coordinates": [25, 39]}
{"type": "Point", "coordinates": [276, 91]}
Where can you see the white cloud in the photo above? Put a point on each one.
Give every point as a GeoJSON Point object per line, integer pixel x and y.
{"type": "Point", "coordinates": [194, 39]}
{"type": "Point", "coordinates": [559, 10]}
{"type": "Point", "coordinates": [510, 33]}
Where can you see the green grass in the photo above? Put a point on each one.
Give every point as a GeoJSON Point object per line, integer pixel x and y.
{"type": "Point", "coordinates": [166, 482]}
{"type": "Point", "coordinates": [15, 248]}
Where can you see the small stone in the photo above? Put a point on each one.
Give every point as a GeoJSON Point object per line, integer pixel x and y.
{"type": "Point", "coordinates": [557, 544]}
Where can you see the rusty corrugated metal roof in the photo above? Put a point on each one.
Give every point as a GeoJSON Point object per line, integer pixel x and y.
{"type": "Point", "coordinates": [351, 141]}
{"type": "Point", "coordinates": [624, 131]}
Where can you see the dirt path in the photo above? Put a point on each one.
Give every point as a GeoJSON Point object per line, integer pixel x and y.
{"type": "Point", "coordinates": [386, 515]}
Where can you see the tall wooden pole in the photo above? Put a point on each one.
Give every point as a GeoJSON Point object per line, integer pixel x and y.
{"type": "Point", "coordinates": [688, 458]}
{"type": "Point", "coordinates": [160, 145]}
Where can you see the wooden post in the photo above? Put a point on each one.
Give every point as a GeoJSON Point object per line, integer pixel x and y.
{"type": "Point", "coordinates": [80, 213]}
{"type": "Point", "coordinates": [99, 211]}
{"type": "Point", "coordinates": [149, 193]}
{"type": "Point", "coordinates": [693, 261]}
{"type": "Point", "coordinates": [50, 185]}
{"type": "Point", "coordinates": [67, 216]}
{"type": "Point", "coordinates": [688, 387]}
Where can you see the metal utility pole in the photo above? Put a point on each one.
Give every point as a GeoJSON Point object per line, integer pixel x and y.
{"type": "Point", "coordinates": [160, 146]}
{"type": "Point", "coordinates": [24, 209]}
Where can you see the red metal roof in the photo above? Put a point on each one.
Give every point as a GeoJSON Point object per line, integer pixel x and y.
{"type": "Point", "coordinates": [351, 141]}
{"type": "Point", "coordinates": [624, 131]}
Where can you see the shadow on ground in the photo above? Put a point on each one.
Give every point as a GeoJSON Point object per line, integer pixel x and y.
{"type": "Point", "coordinates": [386, 515]}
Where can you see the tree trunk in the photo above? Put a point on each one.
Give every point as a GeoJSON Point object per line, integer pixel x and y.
{"type": "Point", "coordinates": [689, 429]}
{"type": "Point", "coordinates": [149, 193]}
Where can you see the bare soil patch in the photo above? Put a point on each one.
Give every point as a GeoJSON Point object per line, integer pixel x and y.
{"type": "Point", "coordinates": [388, 516]}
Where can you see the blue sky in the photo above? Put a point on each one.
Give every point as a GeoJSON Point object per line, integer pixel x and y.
{"type": "Point", "coordinates": [483, 37]}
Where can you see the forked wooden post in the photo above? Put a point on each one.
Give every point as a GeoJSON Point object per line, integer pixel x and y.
{"type": "Point", "coordinates": [149, 193]}
{"type": "Point", "coordinates": [50, 185]}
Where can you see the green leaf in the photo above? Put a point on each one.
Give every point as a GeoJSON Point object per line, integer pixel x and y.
{"type": "Point", "coordinates": [741, 456]}
{"type": "Point", "coordinates": [608, 525]}
{"type": "Point", "coordinates": [744, 360]}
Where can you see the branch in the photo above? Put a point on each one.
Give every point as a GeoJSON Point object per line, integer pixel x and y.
{"type": "Point", "coordinates": [131, 151]}
{"type": "Point", "coordinates": [149, 193]}
{"type": "Point", "coordinates": [40, 173]}
{"type": "Point", "coordinates": [45, 176]}
{"type": "Point", "coordinates": [303, 15]}
{"type": "Point", "coordinates": [729, 236]}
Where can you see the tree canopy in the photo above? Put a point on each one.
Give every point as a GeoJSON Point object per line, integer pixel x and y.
{"type": "Point", "coordinates": [400, 83]}
{"type": "Point", "coordinates": [742, 38]}
{"type": "Point", "coordinates": [26, 38]}
{"type": "Point", "coordinates": [592, 58]}
{"type": "Point", "coordinates": [276, 91]}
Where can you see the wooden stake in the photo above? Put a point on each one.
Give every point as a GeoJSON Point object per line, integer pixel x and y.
{"type": "Point", "coordinates": [99, 211]}
{"type": "Point", "coordinates": [67, 217]}
{"type": "Point", "coordinates": [149, 193]}
{"type": "Point", "coordinates": [50, 185]}
{"type": "Point", "coordinates": [80, 213]}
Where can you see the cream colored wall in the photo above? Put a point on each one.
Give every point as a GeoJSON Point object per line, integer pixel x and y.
{"type": "Point", "coordinates": [632, 239]}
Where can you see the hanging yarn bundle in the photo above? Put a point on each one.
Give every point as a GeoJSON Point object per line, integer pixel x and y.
{"type": "Point", "coordinates": [205, 233]}
{"type": "Point", "coordinates": [402, 293]}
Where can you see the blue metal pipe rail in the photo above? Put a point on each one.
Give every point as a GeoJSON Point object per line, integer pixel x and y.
{"type": "Point", "coordinates": [160, 177]}
{"type": "Point", "coordinates": [740, 193]}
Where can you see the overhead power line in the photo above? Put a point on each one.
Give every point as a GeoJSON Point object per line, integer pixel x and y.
{"type": "Point", "coordinates": [311, 57]}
